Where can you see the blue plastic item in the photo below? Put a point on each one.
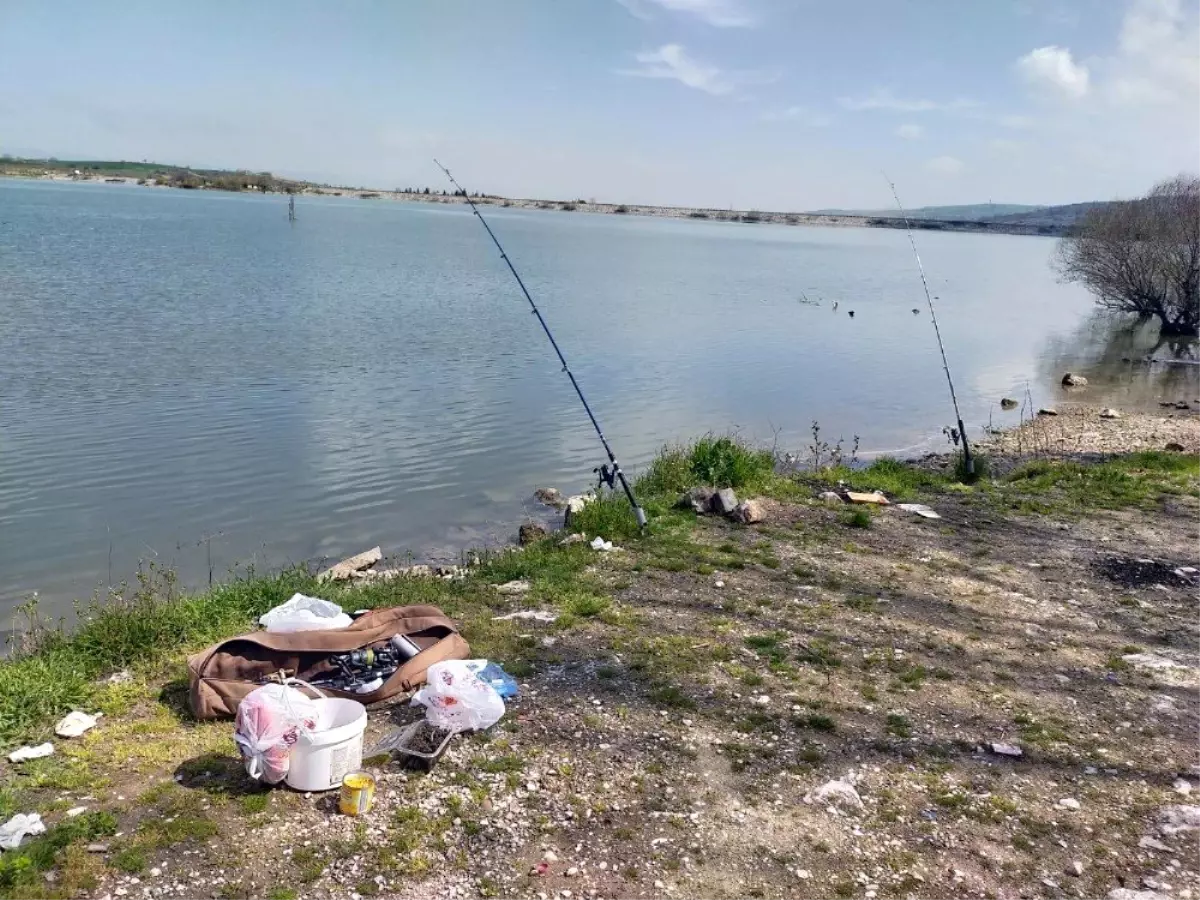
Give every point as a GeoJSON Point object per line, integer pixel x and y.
{"type": "Point", "coordinates": [502, 683]}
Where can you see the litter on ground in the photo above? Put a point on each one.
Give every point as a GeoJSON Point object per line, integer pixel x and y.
{"type": "Point", "coordinates": [18, 828]}
{"type": "Point", "coordinates": [75, 723]}
{"type": "Point", "coordinates": [24, 753]}
{"type": "Point", "coordinates": [920, 509]}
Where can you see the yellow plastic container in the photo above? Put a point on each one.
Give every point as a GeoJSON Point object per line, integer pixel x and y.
{"type": "Point", "coordinates": [358, 793]}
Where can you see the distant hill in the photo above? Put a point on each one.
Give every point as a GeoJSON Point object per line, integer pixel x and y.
{"type": "Point", "coordinates": [972, 212]}
{"type": "Point", "coordinates": [1055, 216]}
{"type": "Point", "coordinates": [990, 216]}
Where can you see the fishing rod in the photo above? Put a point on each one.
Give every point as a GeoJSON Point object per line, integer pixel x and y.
{"type": "Point", "coordinates": [608, 475]}
{"type": "Point", "coordinates": [962, 432]}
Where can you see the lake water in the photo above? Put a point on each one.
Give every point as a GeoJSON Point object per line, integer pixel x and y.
{"type": "Point", "coordinates": [184, 376]}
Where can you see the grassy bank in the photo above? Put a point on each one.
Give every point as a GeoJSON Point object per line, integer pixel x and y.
{"type": "Point", "coordinates": [843, 616]}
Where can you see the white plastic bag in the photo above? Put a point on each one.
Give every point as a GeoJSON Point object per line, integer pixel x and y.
{"type": "Point", "coordinates": [303, 613]}
{"type": "Point", "coordinates": [456, 699]}
{"type": "Point", "coordinates": [270, 720]}
{"type": "Point", "coordinates": [19, 827]}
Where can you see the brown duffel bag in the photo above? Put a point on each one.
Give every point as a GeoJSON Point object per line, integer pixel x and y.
{"type": "Point", "coordinates": [219, 677]}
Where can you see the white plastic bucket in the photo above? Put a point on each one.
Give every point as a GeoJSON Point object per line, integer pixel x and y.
{"type": "Point", "coordinates": [324, 756]}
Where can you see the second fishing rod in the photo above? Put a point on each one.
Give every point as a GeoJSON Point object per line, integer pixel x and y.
{"type": "Point", "coordinates": [610, 473]}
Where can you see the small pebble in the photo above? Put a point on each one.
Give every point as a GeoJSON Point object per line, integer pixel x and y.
{"type": "Point", "coordinates": [550, 856]}
{"type": "Point", "coordinates": [573, 871]}
{"type": "Point", "coordinates": [1182, 786]}
{"type": "Point", "coordinates": [1075, 868]}
{"type": "Point", "coordinates": [718, 583]}
{"type": "Point", "coordinates": [1068, 803]}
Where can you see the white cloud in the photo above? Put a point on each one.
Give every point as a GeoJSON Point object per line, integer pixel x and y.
{"type": "Point", "coordinates": [671, 61]}
{"type": "Point", "coordinates": [1053, 68]}
{"type": "Point", "coordinates": [1158, 59]}
{"type": "Point", "coordinates": [884, 99]}
{"type": "Point", "coordinates": [910, 132]}
{"type": "Point", "coordinates": [945, 165]}
{"type": "Point", "coordinates": [718, 13]}
{"type": "Point", "coordinates": [800, 114]}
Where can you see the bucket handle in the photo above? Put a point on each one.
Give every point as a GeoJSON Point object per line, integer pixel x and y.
{"type": "Point", "coordinates": [302, 734]}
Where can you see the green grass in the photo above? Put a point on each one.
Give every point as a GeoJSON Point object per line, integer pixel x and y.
{"type": "Point", "coordinates": [1129, 480]}
{"type": "Point", "coordinates": [898, 480]}
{"type": "Point", "coordinates": [20, 869]}
{"type": "Point", "coordinates": [857, 518]}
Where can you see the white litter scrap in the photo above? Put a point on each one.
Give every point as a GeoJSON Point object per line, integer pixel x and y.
{"type": "Point", "coordinates": [602, 545]}
{"type": "Point", "coordinates": [303, 613]}
{"type": "Point", "coordinates": [535, 615]}
{"type": "Point", "coordinates": [73, 724]}
{"type": "Point", "coordinates": [18, 827]}
{"type": "Point", "coordinates": [25, 753]}
{"type": "Point", "coordinates": [920, 509]}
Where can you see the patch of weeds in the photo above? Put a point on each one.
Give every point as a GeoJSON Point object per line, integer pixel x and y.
{"type": "Point", "coordinates": [20, 869]}
{"type": "Point", "coordinates": [1037, 732]}
{"type": "Point", "coordinates": [624, 833]}
{"type": "Point", "coordinates": [858, 517]}
{"type": "Point", "coordinates": [367, 888]}
{"type": "Point", "coordinates": [585, 605]}
{"type": "Point", "coordinates": [912, 677]}
{"type": "Point", "coordinates": [1130, 479]}
{"type": "Point", "coordinates": [130, 860]}
{"type": "Point", "coordinates": [899, 725]}
{"type": "Point", "coordinates": [770, 645]}
{"type": "Point", "coordinates": [819, 652]}
{"type": "Point", "coordinates": [282, 893]}
{"type": "Point", "coordinates": [671, 695]}
{"type": "Point", "coordinates": [310, 865]}
{"type": "Point", "coordinates": [758, 721]}
{"type": "Point", "coordinates": [816, 721]}
{"type": "Point", "coordinates": [251, 804]}
{"type": "Point", "coordinates": [509, 763]}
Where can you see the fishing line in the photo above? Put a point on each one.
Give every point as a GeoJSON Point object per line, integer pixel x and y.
{"type": "Point", "coordinates": [608, 475]}
{"type": "Point", "coordinates": [962, 432]}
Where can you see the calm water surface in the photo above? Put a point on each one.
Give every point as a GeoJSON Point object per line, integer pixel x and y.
{"type": "Point", "coordinates": [185, 373]}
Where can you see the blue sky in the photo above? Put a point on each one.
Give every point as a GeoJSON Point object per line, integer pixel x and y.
{"type": "Point", "coordinates": [772, 104]}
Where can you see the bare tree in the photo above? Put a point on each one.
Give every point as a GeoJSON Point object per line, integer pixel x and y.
{"type": "Point", "coordinates": [1142, 256]}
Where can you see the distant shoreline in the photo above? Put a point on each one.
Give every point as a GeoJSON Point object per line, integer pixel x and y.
{"type": "Point", "coordinates": [747, 216]}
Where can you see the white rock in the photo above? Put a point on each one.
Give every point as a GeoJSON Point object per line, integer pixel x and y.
{"type": "Point", "coordinates": [1068, 803]}
{"type": "Point", "coordinates": [1173, 820]}
{"type": "Point", "coordinates": [1182, 786]}
{"type": "Point", "coordinates": [803, 874]}
{"type": "Point", "coordinates": [155, 872]}
{"type": "Point", "coordinates": [1149, 843]}
{"type": "Point", "coordinates": [1127, 894]}
{"type": "Point", "coordinates": [1150, 661]}
{"type": "Point", "coordinates": [761, 700]}
{"type": "Point", "coordinates": [1075, 868]}
{"type": "Point", "coordinates": [719, 583]}
{"type": "Point", "coordinates": [573, 871]}
{"type": "Point", "coordinates": [513, 587]}
{"type": "Point", "coordinates": [76, 811]}
{"type": "Point", "coordinates": [838, 793]}
{"type": "Point", "coordinates": [1008, 750]}
{"type": "Point", "coordinates": [550, 856]}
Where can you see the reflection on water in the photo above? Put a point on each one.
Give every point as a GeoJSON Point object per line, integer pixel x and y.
{"type": "Point", "coordinates": [1126, 361]}
{"type": "Point", "coordinates": [185, 373]}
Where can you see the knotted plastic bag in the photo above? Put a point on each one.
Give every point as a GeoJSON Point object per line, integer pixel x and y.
{"type": "Point", "coordinates": [456, 699]}
{"type": "Point", "coordinates": [270, 720]}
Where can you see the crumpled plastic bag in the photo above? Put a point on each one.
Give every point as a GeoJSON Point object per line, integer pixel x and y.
{"type": "Point", "coordinates": [18, 827]}
{"type": "Point", "coordinates": [303, 613]}
{"type": "Point", "coordinates": [270, 720]}
{"type": "Point", "coordinates": [456, 699]}
{"type": "Point", "coordinates": [24, 753]}
{"type": "Point", "coordinates": [75, 723]}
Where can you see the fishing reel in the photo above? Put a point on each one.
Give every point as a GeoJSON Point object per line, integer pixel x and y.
{"type": "Point", "coordinates": [606, 475]}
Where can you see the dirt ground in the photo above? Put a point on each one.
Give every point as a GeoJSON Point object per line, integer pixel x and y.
{"type": "Point", "coordinates": [796, 708]}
